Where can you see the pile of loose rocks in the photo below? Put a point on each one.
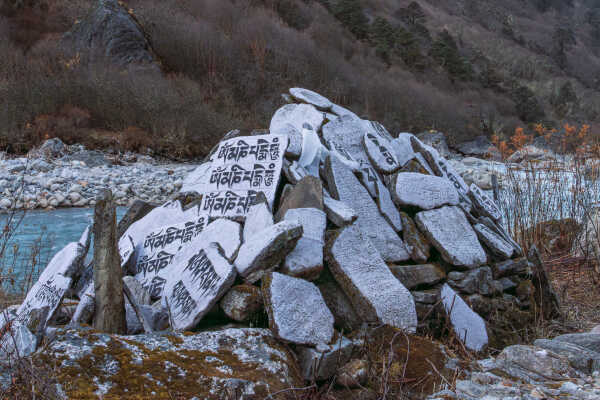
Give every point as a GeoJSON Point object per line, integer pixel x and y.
{"type": "Point", "coordinates": [326, 224]}
{"type": "Point", "coordinates": [56, 175]}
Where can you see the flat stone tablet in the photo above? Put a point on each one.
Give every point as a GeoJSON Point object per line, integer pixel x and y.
{"type": "Point", "coordinates": [258, 218]}
{"type": "Point", "coordinates": [197, 180]}
{"type": "Point", "coordinates": [295, 115]}
{"type": "Point", "coordinates": [469, 326]}
{"type": "Point", "coordinates": [483, 204]}
{"type": "Point", "coordinates": [266, 249]}
{"type": "Point", "coordinates": [345, 187]}
{"type": "Point", "coordinates": [499, 247]}
{"type": "Point", "coordinates": [387, 207]}
{"type": "Point", "coordinates": [225, 232]}
{"type": "Point", "coordinates": [201, 278]}
{"type": "Point", "coordinates": [413, 276]}
{"type": "Point", "coordinates": [402, 148]}
{"type": "Point", "coordinates": [338, 212]}
{"type": "Point", "coordinates": [380, 153]}
{"type": "Point", "coordinates": [377, 296]}
{"type": "Point", "coordinates": [306, 259]}
{"type": "Point", "coordinates": [342, 111]}
{"type": "Point", "coordinates": [46, 295]}
{"type": "Point", "coordinates": [310, 97]}
{"type": "Point", "coordinates": [449, 231]}
{"type": "Point", "coordinates": [307, 193]}
{"type": "Point", "coordinates": [297, 311]}
{"type": "Point", "coordinates": [345, 135]}
{"type": "Point", "coordinates": [423, 191]}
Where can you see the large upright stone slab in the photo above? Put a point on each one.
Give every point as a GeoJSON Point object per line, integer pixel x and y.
{"type": "Point", "coordinates": [306, 259]}
{"type": "Point", "coordinates": [307, 193]}
{"type": "Point", "coordinates": [297, 311]}
{"type": "Point", "coordinates": [345, 135]}
{"type": "Point", "coordinates": [469, 326]}
{"type": "Point", "coordinates": [201, 279]}
{"type": "Point", "coordinates": [266, 249]}
{"type": "Point", "coordinates": [423, 191]}
{"type": "Point", "coordinates": [240, 168]}
{"type": "Point", "coordinates": [46, 295]}
{"type": "Point", "coordinates": [295, 116]}
{"type": "Point", "coordinates": [310, 97]}
{"type": "Point", "coordinates": [484, 204]}
{"type": "Point", "coordinates": [380, 153]}
{"type": "Point", "coordinates": [387, 207]}
{"type": "Point", "coordinates": [449, 231]}
{"type": "Point", "coordinates": [345, 187]}
{"type": "Point", "coordinates": [377, 296]}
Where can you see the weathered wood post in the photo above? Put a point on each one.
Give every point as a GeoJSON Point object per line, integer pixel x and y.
{"type": "Point", "coordinates": [108, 283]}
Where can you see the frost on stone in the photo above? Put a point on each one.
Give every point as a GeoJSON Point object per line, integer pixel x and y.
{"type": "Point", "coordinates": [310, 97]}
{"type": "Point", "coordinates": [295, 115]}
{"type": "Point", "coordinates": [423, 191]}
{"type": "Point", "coordinates": [306, 259]}
{"type": "Point", "coordinates": [469, 326]}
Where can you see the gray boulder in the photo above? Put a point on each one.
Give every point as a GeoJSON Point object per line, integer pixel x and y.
{"type": "Point", "coordinates": [582, 359]}
{"type": "Point", "coordinates": [479, 147]}
{"type": "Point", "coordinates": [590, 341]}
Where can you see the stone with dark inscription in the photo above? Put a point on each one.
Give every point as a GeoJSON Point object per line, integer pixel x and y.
{"type": "Point", "coordinates": [387, 207]}
{"type": "Point", "coordinates": [376, 295]}
{"type": "Point", "coordinates": [469, 326]}
{"type": "Point", "coordinates": [345, 187]}
{"type": "Point", "coordinates": [499, 247]}
{"type": "Point", "coordinates": [297, 311]}
{"type": "Point", "coordinates": [200, 279]}
{"type": "Point", "coordinates": [380, 153]}
{"type": "Point", "coordinates": [310, 97]}
{"type": "Point", "coordinates": [46, 295]}
{"type": "Point", "coordinates": [266, 249]}
{"type": "Point", "coordinates": [484, 204]}
{"type": "Point", "coordinates": [295, 115]}
{"type": "Point", "coordinates": [241, 168]}
{"type": "Point", "coordinates": [423, 191]}
{"type": "Point", "coordinates": [449, 231]}
{"type": "Point", "coordinates": [345, 135]}
{"type": "Point", "coordinates": [306, 259]}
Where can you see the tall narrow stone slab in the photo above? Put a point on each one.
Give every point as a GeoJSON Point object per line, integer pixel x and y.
{"type": "Point", "coordinates": [387, 207]}
{"type": "Point", "coordinates": [499, 247]}
{"type": "Point", "coordinates": [449, 231]}
{"type": "Point", "coordinates": [307, 193]}
{"type": "Point", "coordinates": [297, 311]}
{"type": "Point", "coordinates": [416, 243]}
{"type": "Point", "coordinates": [380, 153]}
{"type": "Point", "coordinates": [267, 249]}
{"type": "Point", "coordinates": [306, 259]}
{"type": "Point", "coordinates": [202, 278]}
{"type": "Point", "coordinates": [423, 191]}
{"type": "Point", "coordinates": [483, 204]}
{"type": "Point", "coordinates": [377, 296]}
{"type": "Point", "coordinates": [346, 136]}
{"type": "Point", "coordinates": [345, 187]}
{"type": "Point", "coordinates": [241, 168]}
{"type": "Point", "coordinates": [469, 326]}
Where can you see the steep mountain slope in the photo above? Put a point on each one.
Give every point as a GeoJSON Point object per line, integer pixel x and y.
{"type": "Point", "coordinates": [465, 67]}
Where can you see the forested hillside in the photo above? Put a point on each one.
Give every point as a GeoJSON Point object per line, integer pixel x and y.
{"type": "Point", "coordinates": [465, 67]}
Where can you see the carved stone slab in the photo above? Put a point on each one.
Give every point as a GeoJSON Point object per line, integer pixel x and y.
{"type": "Point", "coordinates": [449, 231]}
{"type": "Point", "coordinates": [258, 218]}
{"type": "Point", "coordinates": [500, 247]}
{"type": "Point", "coordinates": [295, 115]}
{"type": "Point", "coordinates": [306, 259]}
{"type": "Point", "coordinates": [266, 249]}
{"type": "Point", "coordinates": [46, 295]}
{"type": "Point", "coordinates": [402, 148]}
{"type": "Point", "coordinates": [338, 212]}
{"type": "Point", "coordinates": [387, 207]}
{"type": "Point", "coordinates": [197, 180]}
{"type": "Point", "coordinates": [423, 191]}
{"type": "Point", "coordinates": [310, 97]}
{"type": "Point", "coordinates": [380, 153]}
{"type": "Point", "coordinates": [345, 187]}
{"type": "Point", "coordinates": [227, 233]}
{"type": "Point", "coordinates": [468, 325]}
{"type": "Point", "coordinates": [240, 168]}
{"type": "Point", "coordinates": [345, 135]}
{"type": "Point", "coordinates": [484, 204]}
{"type": "Point", "coordinates": [201, 277]}
{"type": "Point", "coordinates": [297, 311]}
{"type": "Point", "coordinates": [377, 296]}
